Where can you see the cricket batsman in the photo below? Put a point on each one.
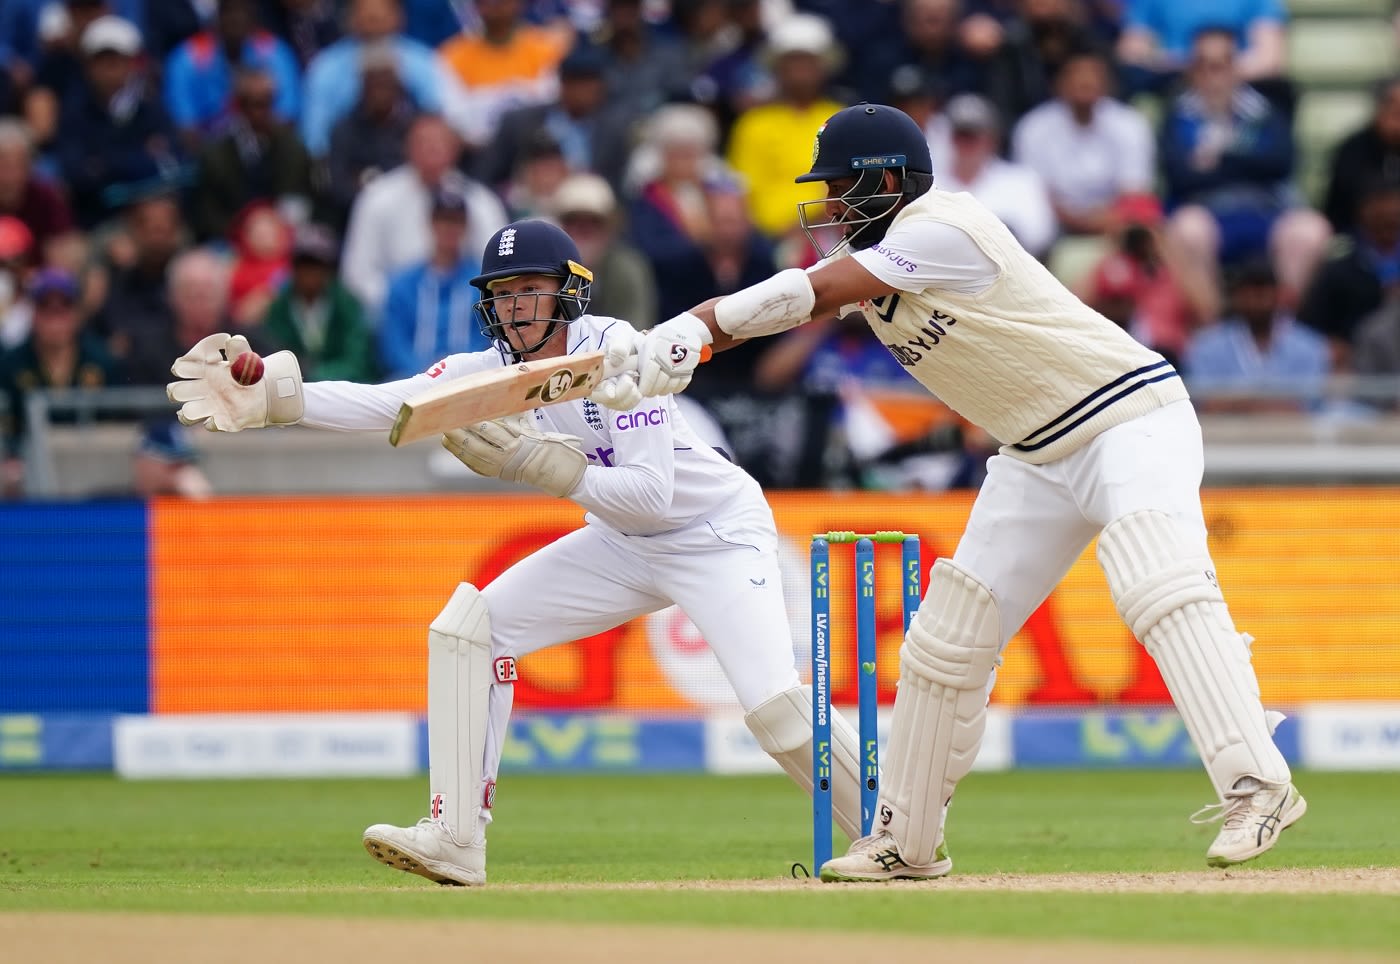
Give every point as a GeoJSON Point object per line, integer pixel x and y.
{"type": "Point", "coordinates": [1098, 439]}
{"type": "Point", "coordinates": [669, 521]}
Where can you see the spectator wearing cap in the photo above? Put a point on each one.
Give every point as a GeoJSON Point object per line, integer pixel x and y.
{"type": "Point", "coordinates": [1369, 155]}
{"type": "Point", "coordinates": [389, 222]}
{"type": "Point", "coordinates": [113, 129]}
{"type": "Point", "coordinates": [1227, 156]}
{"type": "Point", "coordinates": [370, 139]}
{"type": "Point", "coordinates": [199, 75]}
{"type": "Point", "coordinates": [257, 158]}
{"type": "Point", "coordinates": [623, 286]}
{"type": "Point", "coordinates": [1361, 272]}
{"type": "Point", "coordinates": [508, 63]}
{"type": "Point", "coordinates": [58, 64]}
{"type": "Point", "coordinates": [1158, 37]}
{"type": "Point", "coordinates": [1258, 348]}
{"type": "Point", "coordinates": [771, 145]}
{"type": "Point", "coordinates": [333, 78]}
{"type": "Point", "coordinates": [58, 354]}
{"type": "Point", "coordinates": [317, 318]}
{"type": "Point", "coordinates": [428, 311]}
{"type": "Point", "coordinates": [16, 243]}
{"type": "Point", "coordinates": [1146, 285]}
{"type": "Point", "coordinates": [1013, 192]}
{"type": "Point", "coordinates": [1088, 148]}
{"type": "Point", "coordinates": [592, 134]}
{"type": "Point", "coordinates": [166, 463]}
{"type": "Point", "coordinates": [30, 198]}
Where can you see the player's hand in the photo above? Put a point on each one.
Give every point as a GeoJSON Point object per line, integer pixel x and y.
{"type": "Point", "coordinates": [617, 389]}
{"type": "Point", "coordinates": [513, 449]}
{"type": "Point", "coordinates": [209, 395]}
{"type": "Point", "coordinates": [669, 354]}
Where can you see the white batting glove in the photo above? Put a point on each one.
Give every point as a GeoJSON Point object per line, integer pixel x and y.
{"type": "Point", "coordinates": [670, 353]}
{"type": "Point", "coordinates": [514, 450]}
{"type": "Point", "coordinates": [209, 395]}
{"type": "Point", "coordinates": [617, 389]}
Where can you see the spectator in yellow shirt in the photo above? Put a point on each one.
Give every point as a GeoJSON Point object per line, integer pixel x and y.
{"type": "Point", "coordinates": [508, 64]}
{"type": "Point", "coordinates": [771, 143]}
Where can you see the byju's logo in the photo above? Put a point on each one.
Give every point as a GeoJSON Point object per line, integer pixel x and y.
{"type": "Point", "coordinates": [507, 243]}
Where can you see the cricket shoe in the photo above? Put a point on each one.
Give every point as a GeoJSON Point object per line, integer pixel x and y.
{"type": "Point", "coordinates": [876, 857]}
{"type": "Point", "coordinates": [428, 850]}
{"type": "Point", "coordinates": [1254, 815]}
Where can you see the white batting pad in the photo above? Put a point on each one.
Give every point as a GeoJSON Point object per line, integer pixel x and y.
{"type": "Point", "coordinates": [1168, 594]}
{"type": "Point", "coordinates": [782, 725]}
{"type": "Point", "coordinates": [940, 709]}
{"type": "Point", "coordinates": [460, 675]}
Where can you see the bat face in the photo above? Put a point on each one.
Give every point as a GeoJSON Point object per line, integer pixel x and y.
{"type": "Point", "coordinates": [494, 394]}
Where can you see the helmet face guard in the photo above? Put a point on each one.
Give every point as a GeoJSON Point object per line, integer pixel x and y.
{"type": "Point", "coordinates": [496, 313]}
{"type": "Point", "coordinates": [867, 211]}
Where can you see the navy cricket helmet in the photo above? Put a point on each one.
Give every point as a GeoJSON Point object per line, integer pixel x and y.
{"type": "Point", "coordinates": [864, 142]}
{"type": "Point", "coordinates": [531, 247]}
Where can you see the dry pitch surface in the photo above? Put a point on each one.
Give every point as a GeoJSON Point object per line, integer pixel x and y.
{"type": "Point", "coordinates": [140, 938]}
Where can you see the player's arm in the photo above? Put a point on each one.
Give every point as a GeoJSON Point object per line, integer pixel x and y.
{"type": "Point", "coordinates": [638, 485]}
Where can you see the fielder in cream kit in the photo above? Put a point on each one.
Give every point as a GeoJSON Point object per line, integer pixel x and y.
{"type": "Point", "coordinates": [1099, 438]}
{"type": "Point", "coordinates": [669, 521]}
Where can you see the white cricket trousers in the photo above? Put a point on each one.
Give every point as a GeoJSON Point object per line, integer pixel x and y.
{"type": "Point", "coordinates": [1031, 522]}
{"type": "Point", "coordinates": [723, 574]}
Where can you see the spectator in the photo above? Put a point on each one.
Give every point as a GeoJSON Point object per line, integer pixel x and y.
{"type": "Point", "coordinates": [929, 40]}
{"type": "Point", "coordinates": [136, 308]}
{"type": "Point", "coordinates": [16, 312]}
{"type": "Point", "coordinates": [1361, 274]}
{"type": "Point", "coordinates": [57, 354]}
{"type": "Point", "coordinates": [389, 222]}
{"type": "Point", "coordinates": [644, 68]}
{"type": "Point", "coordinates": [1146, 285]}
{"type": "Point", "coordinates": [736, 81]}
{"type": "Point", "coordinates": [1013, 192]}
{"type": "Point", "coordinates": [262, 247]}
{"type": "Point", "coordinates": [921, 95]}
{"type": "Point", "coordinates": [1366, 156]}
{"type": "Point", "coordinates": [166, 463]}
{"type": "Point", "coordinates": [199, 76]}
{"type": "Point", "coordinates": [771, 144]}
{"type": "Point", "coordinates": [593, 134]}
{"type": "Point", "coordinates": [31, 199]}
{"type": "Point", "coordinates": [308, 26]}
{"type": "Point", "coordinates": [317, 318]}
{"type": "Point", "coordinates": [1377, 344]}
{"type": "Point", "coordinates": [1022, 73]}
{"type": "Point", "coordinates": [169, 23]}
{"type": "Point", "coordinates": [370, 139]}
{"type": "Point", "coordinates": [586, 209]}
{"type": "Point", "coordinates": [198, 299]}
{"type": "Point", "coordinates": [428, 312]}
{"type": "Point", "coordinates": [507, 64]}
{"type": "Point", "coordinates": [113, 130]}
{"type": "Point", "coordinates": [1259, 348]}
{"type": "Point", "coordinates": [58, 68]}
{"type": "Point", "coordinates": [333, 79]}
{"type": "Point", "coordinates": [539, 171]}
{"type": "Point", "coordinates": [1088, 148]}
{"type": "Point", "coordinates": [1159, 38]}
{"type": "Point", "coordinates": [257, 159]}
{"type": "Point", "coordinates": [1228, 156]}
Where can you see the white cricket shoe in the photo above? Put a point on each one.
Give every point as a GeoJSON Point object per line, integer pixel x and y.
{"type": "Point", "coordinates": [1255, 813]}
{"type": "Point", "coordinates": [428, 850]}
{"type": "Point", "coordinates": [876, 857]}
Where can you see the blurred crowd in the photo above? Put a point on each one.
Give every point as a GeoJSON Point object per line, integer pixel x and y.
{"type": "Point", "coordinates": [322, 176]}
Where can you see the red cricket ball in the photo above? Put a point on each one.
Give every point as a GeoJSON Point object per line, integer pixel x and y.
{"type": "Point", "coordinates": [247, 368]}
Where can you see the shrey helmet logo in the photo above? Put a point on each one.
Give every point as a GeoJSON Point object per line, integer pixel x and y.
{"type": "Point", "coordinates": [559, 383]}
{"type": "Point", "coordinates": [507, 243]}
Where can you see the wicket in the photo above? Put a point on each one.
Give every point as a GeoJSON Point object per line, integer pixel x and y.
{"type": "Point", "coordinates": [867, 691]}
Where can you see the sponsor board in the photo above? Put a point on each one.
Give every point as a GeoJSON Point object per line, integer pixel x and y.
{"type": "Point", "coordinates": [1350, 737]}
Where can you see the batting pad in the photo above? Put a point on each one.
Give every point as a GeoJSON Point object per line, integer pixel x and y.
{"type": "Point", "coordinates": [1168, 594]}
{"type": "Point", "coordinates": [940, 709]}
{"type": "Point", "coordinates": [782, 725]}
{"type": "Point", "coordinates": [460, 675]}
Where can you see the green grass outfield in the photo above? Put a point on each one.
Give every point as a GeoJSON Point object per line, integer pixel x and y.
{"type": "Point", "coordinates": [293, 847]}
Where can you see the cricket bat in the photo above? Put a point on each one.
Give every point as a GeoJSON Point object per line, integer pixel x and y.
{"type": "Point", "coordinates": [507, 391]}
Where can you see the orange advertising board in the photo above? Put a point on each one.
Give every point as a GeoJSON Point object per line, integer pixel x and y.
{"type": "Point", "coordinates": [310, 604]}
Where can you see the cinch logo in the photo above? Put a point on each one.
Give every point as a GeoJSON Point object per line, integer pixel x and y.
{"type": "Point", "coordinates": [507, 243]}
{"type": "Point", "coordinates": [652, 416]}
